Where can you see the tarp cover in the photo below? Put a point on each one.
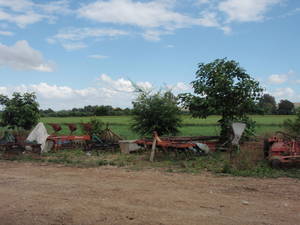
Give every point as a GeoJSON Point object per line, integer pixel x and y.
{"type": "Point", "coordinates": [238, 130]}
{"type": "Point", "coordinates": [39, 134]}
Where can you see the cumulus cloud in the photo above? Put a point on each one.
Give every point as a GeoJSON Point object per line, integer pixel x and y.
{"type": "Point", "coordinates": [156, 18]}
{"type": "Point", "coordinates": [21, 56]}
{"type": "Point", "coordinates": [280, 78]}
{"type": "Point", "coordinates": [286, 92]}
{"type": "Point", "coordinates": [179, 87]}
{"type": "Point", "coordinates": [246, 10]}
{"type": "Point", "coordinates": [123, 85]}
{"type": "Point", "coordinates": [116, 92]}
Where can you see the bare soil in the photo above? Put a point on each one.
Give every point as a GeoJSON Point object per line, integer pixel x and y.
{"type": "Point", "coordinates": [33, 193]}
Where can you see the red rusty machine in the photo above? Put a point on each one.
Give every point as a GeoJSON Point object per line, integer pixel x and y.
{"type": "Point", "coordinates": [282, 149]}
{"type": "Point", "coordinates": [55, 141]}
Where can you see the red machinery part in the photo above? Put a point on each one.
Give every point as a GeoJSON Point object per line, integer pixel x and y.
{"type": "Point", "coordinates": [283, 152]}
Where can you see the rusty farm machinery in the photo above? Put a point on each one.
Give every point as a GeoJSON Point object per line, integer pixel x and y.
{"type": "Point", "coordinates": [282, 149]}
{"type": "Point", "coordinates": [107, 140]}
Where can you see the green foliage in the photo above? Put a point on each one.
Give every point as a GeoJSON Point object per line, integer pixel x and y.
{"type": "Point", "coordinates": [222, 87]}
{"type": "Point", "coordinates": [285, 107]}
{"type": "Point", "coordinates": [21, 111]}
{"type": "Point", "coordinates": [97, 126]}
{"type": "Point", "coordinates": [156, 112]}
{"type": "Point", "coordinates": [267, 104]}
{"type": "Point", "coordinates": [293, 126]}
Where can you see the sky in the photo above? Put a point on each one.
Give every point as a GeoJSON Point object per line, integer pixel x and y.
{"type": "Point", "coordinates": [87, 52]}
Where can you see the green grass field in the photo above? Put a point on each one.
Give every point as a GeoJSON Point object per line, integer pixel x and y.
{"type": "Point", "coordinates": [191, 126]}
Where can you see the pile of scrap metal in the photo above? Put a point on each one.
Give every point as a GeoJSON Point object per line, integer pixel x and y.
{"type": "Point", "coordinates": [282, 149]}
{"type": "Point", "coordinates": [12, 145]}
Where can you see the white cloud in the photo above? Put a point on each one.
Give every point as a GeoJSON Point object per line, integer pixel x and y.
{"type": "Point", "coordinates": [246, 10]}
{"type": "Point", "coordinates": [179, 87]}
{"type": "Point", "coordinates": [107, 91]}
{"type": "Point", "coordinates": [156, 18]}
{"type": "Point", "coordinates": [280, 78]}
{"type": "Point", "coordinates": [73, 46]}
{"type": "Point", "coordinates": [21, 56]}
{"type": "Point", "coordinates": [69, 37]}
{"type": "Point", "coordinates": [143, 14]}
{"type": "Point", "coordinates": [97, 56]}
{"type": "Point", "coordinates": [6, 33]}
{"type": "Point", "coordinates": [26, 12]}
{"type": "Point", "coordinates": [76, 34]}
{"type": "Point", "coordinates": [284, 93]}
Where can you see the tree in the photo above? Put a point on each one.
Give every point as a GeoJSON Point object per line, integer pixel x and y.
{"type": "Point", "coordinates": [293, 126]}
{"type": "Point", "coordinates": [156, 112]}
{"type": "Point", "coordinates": [285, 107]}
{"type": "Point", "coordinates": [223, 87]}
{"type": "Point", "coordinates": [267, 104]}
{"type": "Point", "coordinates": [21, 111]}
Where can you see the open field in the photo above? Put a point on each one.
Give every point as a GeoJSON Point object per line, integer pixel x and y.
{"type": "Point", "coordinates": [191, 126]}
{"type": "Point", "coordinates": [35, 194]}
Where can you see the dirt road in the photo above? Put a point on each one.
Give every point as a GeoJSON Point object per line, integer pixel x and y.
{"type": "Point", "coordinates": [33, 194]}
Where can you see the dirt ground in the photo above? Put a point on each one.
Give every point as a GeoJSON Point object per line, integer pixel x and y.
{"type": "Point", "coordinates": [32, 193]}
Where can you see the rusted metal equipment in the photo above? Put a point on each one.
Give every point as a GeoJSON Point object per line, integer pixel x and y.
{"type": "Point", "coordinates": [282, 149]}
{"type": "Point", "coordinates": [72, 127]}
{"type": "Point", "coordinates": [56, 142]}
{"type": "Point", "coordinates": [11, 146]}
{"type": "Point", "coordinates": [106, 140]}
{"type": "Point", "coordinates": [180, 145]}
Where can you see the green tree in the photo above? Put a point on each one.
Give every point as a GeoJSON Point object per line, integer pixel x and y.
{"type": "Point", "coordinates": [285, 107]}
{"type": "Point", "coordinates": [267, 104]}
{"type": "Point", "coordinates": [293, 126]}
{"type": "Point", "coordinates": [223, 87]}
{"type": "Point", "coordinates": [156, 112]}
{"type": "Point", "coordinates": [20, 111]}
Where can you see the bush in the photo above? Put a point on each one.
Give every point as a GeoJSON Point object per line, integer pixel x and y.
{"type": "Point", "coordinates": [293, 126]}
{"type": "Point", "coordinates": [156, 112]}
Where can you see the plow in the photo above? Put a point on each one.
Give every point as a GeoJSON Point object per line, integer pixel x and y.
{"type": "Point", "coordinates": [107, 140]}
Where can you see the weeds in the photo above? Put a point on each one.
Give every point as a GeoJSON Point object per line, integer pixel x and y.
{"type": "Point", "coordinates": [248, 162]}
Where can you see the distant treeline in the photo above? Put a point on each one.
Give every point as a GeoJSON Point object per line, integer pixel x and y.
{"type": "Point", "coordinates": [102, 110]}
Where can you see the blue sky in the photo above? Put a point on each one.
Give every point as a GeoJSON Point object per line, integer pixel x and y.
{"type": "Point", "coordinates": [74, 53]}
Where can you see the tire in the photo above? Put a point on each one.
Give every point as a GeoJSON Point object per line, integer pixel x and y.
{"type": "Point", "coordinates": [275, 164]}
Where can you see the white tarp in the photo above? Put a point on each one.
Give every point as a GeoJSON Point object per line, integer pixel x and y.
{"type": "Point", "coordinates": [39, 134]}
{"type": "Point", "coordinates": [238, 130]}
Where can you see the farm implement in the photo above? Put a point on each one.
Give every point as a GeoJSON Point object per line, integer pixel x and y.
{"type": "Point", "coordinates": [56, 142]}
{"type": "Point", "coordinates": [107, 140]}
{"type": "Point", "coordinates": [187, 146]}
{"type": "Point", "coordinates": [282, 149]}
{"type": "Point", "coordinates": [16, 145]}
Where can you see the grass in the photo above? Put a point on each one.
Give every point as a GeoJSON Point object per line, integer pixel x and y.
{"type": "Point", "coordinates": [191, 126]}
{"type": "Point", "coordinates": [248, 163]}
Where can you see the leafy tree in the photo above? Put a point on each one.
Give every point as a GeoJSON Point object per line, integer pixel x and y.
{"type": "Point", "coordinates": [156, 112]}
{"type": "Point", "coordinates": [285, 107]}
{"type": "Point", "coordinates": [267, 104]}
{"type": "Point", "coordinates": [20, 111]}
{"type": "Point", "coordinates": [223, 87]}
{"type": "Point", "coordinates": [293, 126]}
